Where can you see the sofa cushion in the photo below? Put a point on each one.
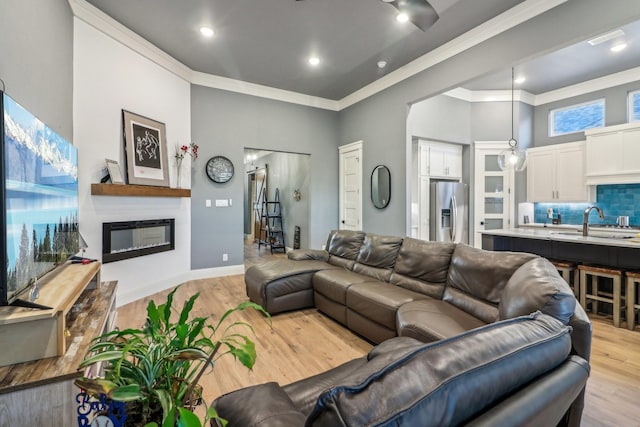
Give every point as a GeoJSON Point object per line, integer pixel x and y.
{"type": "Point", "coordinates": [304, 254]}
{"type": "Point", "coordinates": [334, 285]}
{"type": "Point", "coordinates": [447, 382]}
{"type": "Point", "coordinates": [423, 266]}
{"type": "Point", "coordinates": [270, 406]}
{"type": "Point", "coordinates": [477, 277]}
{"type": "Point", "coordinates": [344, 246]}
{"type": "Point", "coordinates": [283, 285]}
{"type": "Point", "coordinates": [379, 301]}
{"type": "Point", "coordinates": [377, 256]}
{"type": "Point", "coordinates": [431, 320]}
{"type": "Point", "coordinates": [537, 286]}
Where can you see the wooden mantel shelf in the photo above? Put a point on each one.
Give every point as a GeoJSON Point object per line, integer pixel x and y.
{"type": "Point", "coordinates": [137, 191]}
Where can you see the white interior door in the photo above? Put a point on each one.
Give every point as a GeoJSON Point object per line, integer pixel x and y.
{"type": "Point", "coordinates": [351, 186]}
{"type": "Point", "coordinates": [493, 198]}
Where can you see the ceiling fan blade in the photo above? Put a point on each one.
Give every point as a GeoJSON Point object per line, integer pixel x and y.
{"type": "Point", "coordinates": [420, 12]}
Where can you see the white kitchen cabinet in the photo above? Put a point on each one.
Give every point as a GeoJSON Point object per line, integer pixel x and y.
{"type": "Point", "coordinates": [440, 160]}
{"type": "Point", "coordinates": [435, 161]}
{"type": "Point", "coordinates": [557, 174]}
{"type": "Point", "coordinates": [613, 155]}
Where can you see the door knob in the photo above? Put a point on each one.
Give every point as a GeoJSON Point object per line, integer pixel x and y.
{"type": "Point", "coordinates": [343, 221]}
{"type": "Point", "coordinates": [481, 222]}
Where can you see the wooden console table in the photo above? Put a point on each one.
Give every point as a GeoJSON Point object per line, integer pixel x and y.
{"type": "Point", "coordinates": [41, 392]}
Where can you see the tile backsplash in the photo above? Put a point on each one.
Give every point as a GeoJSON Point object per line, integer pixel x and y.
{"type": "Point", "coordinates": [614, 200]}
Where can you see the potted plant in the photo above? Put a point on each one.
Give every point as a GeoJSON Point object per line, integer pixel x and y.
{"type": "Point", "coordinates": [156, 369]}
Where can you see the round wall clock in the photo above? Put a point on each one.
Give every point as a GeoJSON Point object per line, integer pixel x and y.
{"type": "Point", "coordinates": [219, 169]}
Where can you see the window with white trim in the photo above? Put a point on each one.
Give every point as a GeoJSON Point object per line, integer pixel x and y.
{"type": "Point", "coordinates": [633, 103]}
{"type": "Point", "coordinates": [576, 118]}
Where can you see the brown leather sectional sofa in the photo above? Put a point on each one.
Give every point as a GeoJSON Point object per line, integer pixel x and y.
{"type": "Point", "coordinates": [426, 292]}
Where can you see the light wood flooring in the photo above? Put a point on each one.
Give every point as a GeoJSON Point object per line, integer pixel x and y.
{"type": "Point", "coordinates": [303, 343]}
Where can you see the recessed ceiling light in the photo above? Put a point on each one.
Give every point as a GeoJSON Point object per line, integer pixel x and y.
{"type": "Point", "coordinates": [314, 61]}
{"type": "Point", "coordinates": [618, 47]}
{"type": "Point", "coordinates": [520, 80]}
{"type": "Point", "coordinates": [382, 64]}
{"type": "Point", "coordinates": [206, 31]}
{"type": "Point", "coordinates": [402, 17]}
{"type": "Point", "coordinates": [605, 37]}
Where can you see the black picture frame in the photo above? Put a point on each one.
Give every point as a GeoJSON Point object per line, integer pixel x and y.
{"type": "Point", "coordinates": [146, 150]}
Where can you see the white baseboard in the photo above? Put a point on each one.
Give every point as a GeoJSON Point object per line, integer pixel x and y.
{"type": "Point", "coordinates": [125, 297]}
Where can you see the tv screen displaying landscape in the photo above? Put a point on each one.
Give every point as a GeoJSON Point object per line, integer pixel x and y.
{"type": "Point", "coordinates": [41, 198]}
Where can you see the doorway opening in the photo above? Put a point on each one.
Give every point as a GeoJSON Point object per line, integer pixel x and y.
{"type": "Point", "coordinates": [276, 203]}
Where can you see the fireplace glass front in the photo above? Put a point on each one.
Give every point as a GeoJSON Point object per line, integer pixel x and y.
{"type": "Point", "coordinates": [130, 239]}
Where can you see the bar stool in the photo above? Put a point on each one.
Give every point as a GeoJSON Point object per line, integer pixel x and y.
{"type": "Point", "coordinates": [568, 272]}
{"type": "Point", "coordinates": [633, 281]}
{"type": "Point", "coordinates": [591, 274]}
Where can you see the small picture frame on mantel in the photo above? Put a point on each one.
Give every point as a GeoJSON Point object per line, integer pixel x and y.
{"type": "Point", "coordinates": [114, 171]}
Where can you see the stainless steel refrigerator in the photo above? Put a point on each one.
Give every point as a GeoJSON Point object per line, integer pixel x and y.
{"type": "Point", "coordinates": [449, 212]}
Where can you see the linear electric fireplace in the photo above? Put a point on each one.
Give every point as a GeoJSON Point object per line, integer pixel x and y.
{"type": "Point", "coordinates": [130, 239]}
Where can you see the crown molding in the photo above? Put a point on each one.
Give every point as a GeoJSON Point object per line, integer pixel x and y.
{"type": "Point", "coordinates": [505, 21]}
{"type": "Point", "coordinates": [238, 86]}
{"type": "Point", "coordinates": [501, 23]}
{"type": "Point", "coordinates": [612, 80]}
{"type": "Point", "coordinates": [589, 86]}
{"type": "Point", "coordinates": [112, 28]}
{"type": "Point", "coordinates": [491, 95]}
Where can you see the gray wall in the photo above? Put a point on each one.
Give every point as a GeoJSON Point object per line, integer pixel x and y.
{"type": "Point", "coordinates": [381, 119]}
{"type": "Point", "coordinates": [225, 123]}
{"type": "Point", "coordinates": [441, 118]}
{"type": "Point", "coordinates": [615, 113]}
{"type": "Point", "coordinates": [288, 172]}
{"type": "Point", "coordinates": [36, 59]}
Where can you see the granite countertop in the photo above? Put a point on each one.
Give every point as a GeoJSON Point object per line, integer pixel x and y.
{"type": "Point", "coordinates": [573, 234]}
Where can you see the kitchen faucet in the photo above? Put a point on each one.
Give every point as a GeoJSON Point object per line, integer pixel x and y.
{"type": "Point", "coordinates": [585, 218]}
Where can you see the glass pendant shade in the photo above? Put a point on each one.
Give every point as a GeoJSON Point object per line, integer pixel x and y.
{"type": "Point", "coordinates": [513, 158]}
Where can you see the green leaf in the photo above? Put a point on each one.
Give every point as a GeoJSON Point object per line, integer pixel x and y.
{"type": "Point", "coordinates": [167, 306]}
{"type": "Point", "coordinates": [212, 414]}
{"type": "Point", "coordinates": [151, 424]}
{"type": "Point", "coordinates": [105, 356]}
{"type": "Point", "coordinates": [126, 393]}
{"type": "Point", "coordinates": [170, 419]}
{"type": "Point", "coordinates": [188, 418]}
{"type": "Point", "coordinates": [165, 401]}
{"type": "Point", "coordinates": [184, 315]}
{"type": "Point", "coordinates": [246, 353]}
{"type": "Point", "coordinates": [152, 313]}
{"type": "Point", "coordinates": [182, 331]}
{"type": "Point", "coordinates": [196, 328]}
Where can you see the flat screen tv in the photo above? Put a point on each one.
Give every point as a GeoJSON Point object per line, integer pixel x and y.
{"type": "Point", "coordinates": [39, 191]}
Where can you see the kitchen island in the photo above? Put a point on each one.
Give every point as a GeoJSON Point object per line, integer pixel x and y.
{"type": "Point", "coordinates": [604, 247]}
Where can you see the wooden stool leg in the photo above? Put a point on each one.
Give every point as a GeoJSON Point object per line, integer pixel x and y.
{"type": "Point", "coordinates": [583, 289]}
{"type": "Point", "coordinates": [576, 283]}
{"type": "Point", "coordinates": [616, 301]}
{"type": "Point", "coordinates": [631, 301]}
{"type": "Point", "coordinates": [594, 291]}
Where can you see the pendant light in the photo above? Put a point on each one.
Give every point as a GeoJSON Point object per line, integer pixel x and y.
{"type": "Point", "coordinates": [513, 157]}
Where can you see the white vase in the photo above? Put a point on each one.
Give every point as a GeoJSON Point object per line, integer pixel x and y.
{"type": "Point", "coordinates": [179, 173]}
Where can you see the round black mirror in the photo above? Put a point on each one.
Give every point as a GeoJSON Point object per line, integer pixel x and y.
{"type": "Point", "coordinates": [380, 186]}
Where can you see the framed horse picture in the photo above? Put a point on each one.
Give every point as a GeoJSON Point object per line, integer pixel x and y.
{"type": "Point", "coordinates": [145, 143]}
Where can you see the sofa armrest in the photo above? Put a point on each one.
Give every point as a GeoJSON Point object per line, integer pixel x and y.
{"type": "Point", "coordinates": [265, 405]}
{"type": "Point", "coordinates": [314, 254]}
